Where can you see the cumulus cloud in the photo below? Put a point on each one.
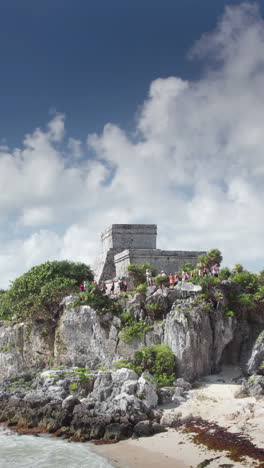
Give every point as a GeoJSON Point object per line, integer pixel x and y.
{"type": "Point", "coordinates": [195, 166]}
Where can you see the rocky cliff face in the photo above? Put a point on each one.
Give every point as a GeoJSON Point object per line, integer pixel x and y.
{"type": "Point", "coordinates": [201, 336]}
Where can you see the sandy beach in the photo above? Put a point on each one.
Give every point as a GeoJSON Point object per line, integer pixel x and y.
{"type": "Point", "coordinates": [213, 400]}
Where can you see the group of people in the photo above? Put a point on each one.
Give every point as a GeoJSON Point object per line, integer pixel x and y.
{"type": "Point", "coordinates": [175, 278]}
{"type": "Point", "coordinates": [101, 286]}
{"type": "Point", "coordinates": [121, 285]}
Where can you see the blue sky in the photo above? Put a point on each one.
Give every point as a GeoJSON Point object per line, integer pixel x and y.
{"type": "Point", "coordinates": [92, 60]}
{"type": "Point", "coordinates": [130, 112]}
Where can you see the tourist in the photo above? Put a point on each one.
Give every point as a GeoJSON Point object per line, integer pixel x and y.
{"type": "Point", "coordinates": [215, 270]}
{"type": "Point", "coordinates": [171, 280]}
{"type": "Point", "coordinates": [176, 278]}
{"type": "Point", "coordinates": [121, 285]}
{"type": "Point", "coordinates": [103, 287]}
{"type": "Point", "coordinates": [185, 276]}
{"type": "Point", "coordinates": [112, 290]}
{"type": "Point", "coordinates": [125, 286]}
{"type": "Point", "coordinates": [82, 287]}
{"type": "Point", "coordinates": [149, 277]}
{"type": "Point", "coordinates": [162, 273]}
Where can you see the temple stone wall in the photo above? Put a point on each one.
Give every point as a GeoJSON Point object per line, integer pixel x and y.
{"type": "Point", "coordinates": [123, 244]}
{"type": "Point", "coordinates": [168, 260]}
{"type": "Point", "coordinates": [129, 236]}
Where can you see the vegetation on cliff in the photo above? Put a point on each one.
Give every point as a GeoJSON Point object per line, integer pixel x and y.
{"type": "Point", "coordinates": [95, 298]}
{"type": "Point", "coordinates": [39, 291]}
{"type": "Point", "coordinates": [158, 360]}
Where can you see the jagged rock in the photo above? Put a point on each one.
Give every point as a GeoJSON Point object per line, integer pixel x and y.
{"type": "Point", "coordinates": [179, 391]}
{"type": "Point", "coordinates": [254, 386]}
{"type": "Point", "coordinates": [70, 402]}
{"type": "Point", "coordinates": [189, 334]}
{"type": "Point", "coordinates": [150, 290]}
{"type": "Point", "coordinates": [147, 390]}
{"type": "Point", "coordinates": [134, 306]}
{"type": "Point", "coordinates": [181, 383]}
{"type": "Point", "coordinates": [130, 387]}
{"type": "Point", "coordinates": [256, 359]}
{"type": "Point", "coordinates": [118, 431]}
{"type": "Point", "coordinates": [81, 340]}
{"type": "Point", "coordinates": [166, 394]}
{"type": "Point", "coordinates": [107, 411]}
{"type": "Point", "coordinates": [201, 339]}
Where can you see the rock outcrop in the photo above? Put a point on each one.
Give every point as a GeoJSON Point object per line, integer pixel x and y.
{"type": "Point", "coordinates": [82, 405]}
{"type": "Point", "coordinates": [200, 335]}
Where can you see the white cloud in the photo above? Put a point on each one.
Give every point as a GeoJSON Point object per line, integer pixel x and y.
{"type": "Point", "coordinates": [195, 168]}
{"type": "Point", "coordinates": [75, 148]}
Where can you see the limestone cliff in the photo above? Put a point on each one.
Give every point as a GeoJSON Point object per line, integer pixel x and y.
{"type": "Point", "coordinates": [201, 336]}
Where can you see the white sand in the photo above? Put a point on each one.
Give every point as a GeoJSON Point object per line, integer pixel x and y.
{"type": "Point", "coordinates": [213, 401]}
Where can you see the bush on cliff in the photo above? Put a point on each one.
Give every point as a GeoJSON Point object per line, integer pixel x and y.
{"type": "Point", "coordinates": [159, 360]}
{"type": "Point", "coordinates": [161, 280]}
{"type": "Point", "coordinates": [138, 272]}
{"type": "Point", "coordinates": [38, 292]}
{"type": "Point", "coordinates": [133, 329]}
{"type": "Point", "coordinates": [95, 298]}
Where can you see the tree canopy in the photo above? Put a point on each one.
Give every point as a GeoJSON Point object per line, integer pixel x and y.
{"type": "Point", "coordinates": [41, 289]}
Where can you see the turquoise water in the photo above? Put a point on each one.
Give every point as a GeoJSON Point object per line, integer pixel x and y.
{"type": "Point", "coordinates": [25, 451]}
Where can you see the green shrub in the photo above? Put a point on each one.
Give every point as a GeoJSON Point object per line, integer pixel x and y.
{"type": "Point", "coordinates": [161, 280]}
{"type": "Point", "coordinates": [238, 268]}
{"type": "Point", "coordinates": [123, 363]}
{"type": "Point", "coordinates": [73, 386]}
{"type": "Point", "coordinates": [159, 360]}
{"type": "Point", "coordinates": [246, 300]}
{"type": "Point", "coordinates": [141, 288]}
{"type": "Point", "coordinates": [259, 295]}
{"type": "Point", "coordinates": [247, 280]}
{"type": "Point", "coordinates": [102, 368]}
{"type": "Point", "coordinates": [224, 274]}
{"type": "Point", "coordinates": [41, 289]}
{"type": "Point", "coordinates": [229, 313]}
{"type": "Point", "coordinates": [134, 330]}
{"type": "Point", "coordinates": [126, 318]}
{"type": "Point", "coordinates": [95, 298]}
{"type": "Point", "coordinates": [152, 310]}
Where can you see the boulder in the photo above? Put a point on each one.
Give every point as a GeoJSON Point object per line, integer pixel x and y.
{"type": "Point", "coordinates": [118, 431]}
{"type": "Point", "coordinates": [147, 390]}
{"type": "Point", "coordinates": [143, 429]}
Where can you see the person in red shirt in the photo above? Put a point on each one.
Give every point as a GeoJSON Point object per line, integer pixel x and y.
{"type": "Point", "coordinates": [171, 280]}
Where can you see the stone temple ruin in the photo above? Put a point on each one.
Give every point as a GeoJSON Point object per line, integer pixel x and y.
{"type": "Point", "coordinates": [124, 244]}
